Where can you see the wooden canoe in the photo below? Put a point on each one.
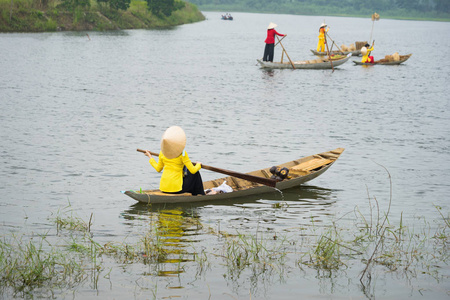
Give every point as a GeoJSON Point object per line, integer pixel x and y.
{"type": "Point", "coordinates": [300, 171]}
{"type": "Point", "coordinates": [321, 63]}
{"type": "Point", "coordinates": [383, 61]}
{"type": "Point", "coordinates": [335, 52]}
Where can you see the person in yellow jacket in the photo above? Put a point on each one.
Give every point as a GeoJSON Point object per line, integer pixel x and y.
{"type": "Point", "coordinates": [365, 51]}
{"type": "Point", "coordinates": [172, 161]}
{"type": "Point", "coordinates": [322, 31]}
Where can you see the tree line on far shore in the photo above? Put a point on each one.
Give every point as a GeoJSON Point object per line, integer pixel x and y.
{"type": "Point", "coordinates": [414, 9]}
{"type": "Point", "coordinates": [157, 7]}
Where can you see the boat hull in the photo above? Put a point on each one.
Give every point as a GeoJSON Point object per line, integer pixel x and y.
{"type": "Point", "coordinates": [403, 58]}
{"type": "Point", "coordinates": [353, 53]}
{"type": "Point", "coordinates": [156, 196]}
{"type": "Point", "coordinates": [303, 64]}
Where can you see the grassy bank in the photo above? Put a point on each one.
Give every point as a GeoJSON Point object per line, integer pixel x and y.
{"type": "Point", "coordinates": [30, 16]}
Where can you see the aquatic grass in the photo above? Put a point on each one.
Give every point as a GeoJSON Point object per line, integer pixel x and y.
{"type": "Point", "coordinates": [202, 262]}
{"type": "Point", "coordinates": [151, 247]}
{"type": "Point", "coordinates": [65, 219]}
{"type": "Point", "coordinates": [395, 249]}
{"type": "Point", "coordinates": [445, 219]}
{"type": "Point", "coordinates": [381, 245]}
{"type": "Point", "coordinates": [260, 255]}
{"type": "Point", "coordinates": [327, 253]}
{"type": "Point", "coordinates": [380, 231]}
{"type": "Point", "coordinates": [280, 205]}
{"type": "Point", "coordinates": [26, 265]}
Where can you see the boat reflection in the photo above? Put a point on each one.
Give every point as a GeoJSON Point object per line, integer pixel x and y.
{"type": "Point", "coordinates": [178, 228]}
{"type": "Point", "coordinates": [171, 231]}
{"type": "Point", "coordinates": [304, 194]}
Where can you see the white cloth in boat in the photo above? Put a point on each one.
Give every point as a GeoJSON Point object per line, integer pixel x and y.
{"type": "Point", "coordinates": [223, 188]}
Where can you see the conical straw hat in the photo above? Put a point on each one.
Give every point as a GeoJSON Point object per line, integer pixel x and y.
{"type": "Point", "coordinates": [363, 50]}
{"type": "Point", "coordinates": [173, 142]}
{"type": "Point", "coordinates": [272, 25]}
{"type": "Point", "coordinates": [323, 25]}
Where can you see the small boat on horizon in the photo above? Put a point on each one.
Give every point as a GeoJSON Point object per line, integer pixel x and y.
{"type": "Point", "coordinates": [227, 16]}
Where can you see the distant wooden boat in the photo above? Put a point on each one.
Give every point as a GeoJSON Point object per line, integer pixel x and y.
{"type": "Point", "coordinates": [321, 63]}
{"type": "Point", "coordinates": [300, 171]}
{"type": "Point", "coordinates": [227, 17]}
{"type": "Point", "coordinates": [383, 61]}
{"type": "Point", "coordinates": [353, 53]}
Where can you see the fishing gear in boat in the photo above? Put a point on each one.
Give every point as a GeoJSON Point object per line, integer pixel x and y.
{"type": "Point", "coordinates": [279, 173]}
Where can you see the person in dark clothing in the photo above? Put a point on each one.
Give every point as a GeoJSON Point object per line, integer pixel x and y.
{"type": "Point", "coordinates": [270, 42]}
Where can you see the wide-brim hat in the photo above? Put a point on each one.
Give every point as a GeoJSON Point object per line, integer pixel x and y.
{"type": "Point", "coordinates": [272, 25]}
{"type": "Point", "coordinates": [323, 25]}
{"type": "Point", "coordinates": [173, 142]}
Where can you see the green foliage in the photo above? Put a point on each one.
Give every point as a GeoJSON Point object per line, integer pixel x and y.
{"type": "Point", "coordinates": [29, 16]}
{"type": "Point", "coordinates": [77, 15]}
{"type": "Point", "coordinates": [120, 4]}
{"type": "Point", "coordinates": [164, 7]}
{"type": "Point", "coordinates": [138, 8]}
{"type": "Point", "coordinates": [73, 4]}
{"type": "Point", "coordinates": [116, 4]}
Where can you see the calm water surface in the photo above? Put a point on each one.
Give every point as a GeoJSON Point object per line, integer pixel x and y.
{"type": "Point", "coordinates": [73, 111]}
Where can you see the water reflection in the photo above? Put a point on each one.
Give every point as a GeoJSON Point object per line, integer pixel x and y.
{"type": "Point", "coordinates": [305, 194]}
{"type": "Point", "coordinates": [178, 226]}
{"type": "Point", "coordinates": [267, 73]}
{"type": "Point", "coordinates": [174, 230]}
{"type": "Point", "coordinates": [113, 33]}
{"type": "Point", "coordinates": [82, 102]}
{"type": "Point", "coordinates": [273, 211]}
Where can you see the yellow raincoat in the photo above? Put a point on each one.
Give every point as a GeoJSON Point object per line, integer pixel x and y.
{"type": "Point", "coordinates": [321, 44]}
{"type": "Point", "coordinates": [172, 176]}
{"type": "Point", "coordinates": [365, 57]}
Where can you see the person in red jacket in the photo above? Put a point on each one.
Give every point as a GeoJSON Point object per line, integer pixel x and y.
{"type": "Point", "coordinates": [270, 42]}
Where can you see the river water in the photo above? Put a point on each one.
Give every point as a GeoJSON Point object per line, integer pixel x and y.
{"type": "Point", "coordinates": [76, 105]}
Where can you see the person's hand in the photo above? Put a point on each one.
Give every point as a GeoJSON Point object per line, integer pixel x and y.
{"type": "Point", "coordinates": [148, 154]}
{"type": "Point", "coordinates": [197, 162]}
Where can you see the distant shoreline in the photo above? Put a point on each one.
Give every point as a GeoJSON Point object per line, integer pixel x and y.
{"type": "Point", "coordinates": [384, 16]}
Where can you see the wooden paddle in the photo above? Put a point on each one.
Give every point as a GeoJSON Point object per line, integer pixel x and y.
{"type": "Point", "coordinates": [334, 43]}
{"type": "Point", "coordinates": [328, 50]}
{"type": "Point", "coordinates": [279, 41]}
{"type": "Point", "coordinates": [373, 43]}
{"type": "Point", "coordinates": [266, 181]}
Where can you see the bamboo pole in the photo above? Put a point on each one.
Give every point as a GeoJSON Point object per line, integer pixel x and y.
{"type": "Point", "coordinates": [286, 53]}
{"type": "Point", "coordinates": [329, 57]}
{"type": "Point", "coordinates": [334, 43]}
